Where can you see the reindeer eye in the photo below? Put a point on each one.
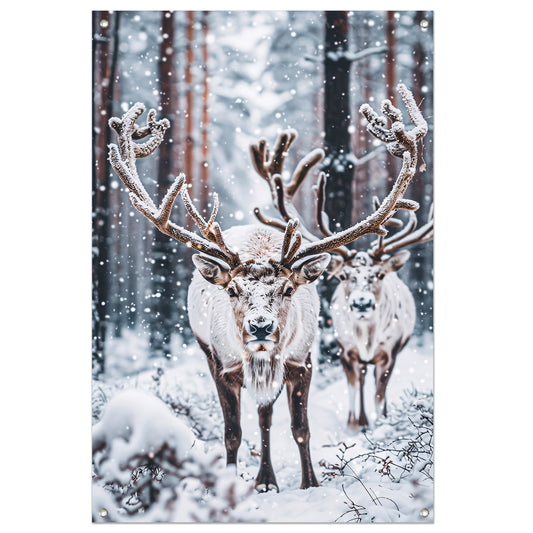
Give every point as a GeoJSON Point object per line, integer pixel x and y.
{"type": "Point", "coordinates": [381, 275]}
{"type": "Point", "coordinates": [231, 292]}
{"type": "Point", "coordinates": [288, 291]}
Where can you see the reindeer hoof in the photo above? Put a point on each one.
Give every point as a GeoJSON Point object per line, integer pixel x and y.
{"type": "Point", "coordinates": [265, 487]}
{"type": "Point", "coordinates": [266, 480]}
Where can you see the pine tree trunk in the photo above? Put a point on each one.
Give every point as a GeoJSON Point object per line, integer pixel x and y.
{"type": "Point", "coordinates": [393, 164]}
{"type": "Point", "coordinates": [163, 251]}
{"type": "Point", "coordinates": [421, 263]}
{"type": "Point", "coordinates": [204, 168]}
{"type": "Point", "coordinates": [119, 272]}
{"type": "Point", "coordinates": [337, 164]}
{"type": "Point", "coordinates": [390, 61]}
{"type": "Point", "coordinates": [100, 184]}
{"type": "Point", "coordinates": [189, 112]}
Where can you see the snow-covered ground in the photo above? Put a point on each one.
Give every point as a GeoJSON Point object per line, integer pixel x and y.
{"type": "Point", "coordinates": [358, 482]}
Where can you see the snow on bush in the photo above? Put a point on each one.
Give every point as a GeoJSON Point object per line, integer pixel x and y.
{"type": "Point", "coordinates": [148, 467]}
{"type": "Point", "coordinates": [388, 476]}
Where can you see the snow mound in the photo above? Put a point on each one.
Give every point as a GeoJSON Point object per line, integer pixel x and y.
{"type": "Point", "coordinates": [148, 467]}
{"type": "Point", "coordinates": [134, 423]}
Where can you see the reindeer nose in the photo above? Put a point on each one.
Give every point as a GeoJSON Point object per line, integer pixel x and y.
{"type": "Point", "coordinates": [361, 304]}
{"type": "Point", "coordinates": [260, 329]}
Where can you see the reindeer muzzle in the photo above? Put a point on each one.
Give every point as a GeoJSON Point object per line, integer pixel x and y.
{"type": "Point", "coordinates": [362, 305]}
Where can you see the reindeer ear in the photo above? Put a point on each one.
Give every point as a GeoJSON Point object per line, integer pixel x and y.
{"type": "Point", "coordinates": [310, 268]}
{"type": "Point", "coordinates": [216, 272]}
{"type": "Point", "coordinates": [394, 263]}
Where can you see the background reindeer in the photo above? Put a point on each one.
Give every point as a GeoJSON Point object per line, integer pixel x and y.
{"type": "Point", "coordinates": [252, 307]}
{"type": "Point", "coordinates": [373, 314]}
{"type": "Point", "coordinates": [373, 311]}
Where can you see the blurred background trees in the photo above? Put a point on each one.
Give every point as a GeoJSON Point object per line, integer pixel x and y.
{"type": "Point", "coordinates": [224, 80]}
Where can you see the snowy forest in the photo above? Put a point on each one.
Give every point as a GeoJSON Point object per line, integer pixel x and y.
{"type": "Point", "coordinates": [225, 80]}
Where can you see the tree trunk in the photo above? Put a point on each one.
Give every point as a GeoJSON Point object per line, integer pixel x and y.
{"type": "Point", "coordinates": [393, 164]}
{"type": "Point", "coordinates": [390, 61]}
{"type": "Point", "coordinates": [418, 83]}
{"type": "Point", "coordinates": [163, 251]}
{"type": "Point", "coordinates": [421, 263]}
{"type": "Point", "coordinates": [100, 184]}
{"type": "Point", "coordinates": [189, 112]}
{"type": "Point", "coordinates": [117, 286]}
{"type": "Point", "coordinates": [338, 164]}
{"type": "Point", "coordinates": [204, 168]}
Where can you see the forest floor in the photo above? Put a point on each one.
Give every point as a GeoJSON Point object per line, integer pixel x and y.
{"type": "Point", "coordinates": [382, 475]}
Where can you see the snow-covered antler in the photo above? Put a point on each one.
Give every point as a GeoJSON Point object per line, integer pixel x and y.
{"type": "Point", "coordinates": [270, 169]}
{"type": "Point", "coordinates": [406, 237]}
{"type": "Point", "coordinates": [322, 220]}
{"type": "Point", "coordinates": [123, 159]}
{"type": "Point", "coordinates": [399, 141]}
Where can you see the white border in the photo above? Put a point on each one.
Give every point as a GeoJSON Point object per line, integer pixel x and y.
{"type": "Point", "coordinates": [483, 190]}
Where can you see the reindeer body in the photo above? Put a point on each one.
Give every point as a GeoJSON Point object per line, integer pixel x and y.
{"type": "Point", "coordinates": [373, 315]}
{"type": "Point", "coordinates": [214, 325]}
{"type": "Point", "coordinates": [391, 325]}
{"type": "Point", "coordinates": [236, 358]}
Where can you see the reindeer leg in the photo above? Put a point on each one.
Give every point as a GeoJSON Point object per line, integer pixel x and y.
{"type": "Point", "coordinates": [265, 479]}
{"type": "Point", "coordinates": [382, 373]}
{"type": "Point", "coordinates": [355, 372]}
{"type": "Point", "coordinates": [348, 366]}
{"type": "Point", "coordinates": [361, 372]}
{"type": "Point", "coordinates": [229, 393]}
{"type": "Point", "coordinates": [298, 380]}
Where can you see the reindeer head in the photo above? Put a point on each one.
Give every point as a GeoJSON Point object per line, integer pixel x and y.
{"type": "Point", "coordinates": [361, 281]}
{"type": "Point", "coordinates": [260, 294]}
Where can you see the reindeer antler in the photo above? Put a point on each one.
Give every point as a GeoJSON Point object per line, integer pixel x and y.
{"type": "Point", "coordinates": [399, 142]}
{"type": "Point", "coordinates": [403, 144]}
{"type": "Point", "coordinates": [406, 237]}
{"type": "Point", "coordinates": [123, 160]}
{"type": "Point", "coordinates": [270, 169]}
{"type": "Point", "coordinates": [322, 217]}
{"type": "Point", "coordinates": [396, 138]}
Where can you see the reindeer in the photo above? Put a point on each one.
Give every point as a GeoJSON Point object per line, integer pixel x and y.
{"type": "Point", "coordinates": [373, 314]}
{"type": "Point", "coordinates": [252, 304]}
{"type": "Point", "coordinates": [373, 311]}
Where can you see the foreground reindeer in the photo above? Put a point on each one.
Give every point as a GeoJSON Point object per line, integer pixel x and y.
{"type": "Point", "coordinates": [252, 307]}
{"type": "Point", "coordinates": [373, 311]}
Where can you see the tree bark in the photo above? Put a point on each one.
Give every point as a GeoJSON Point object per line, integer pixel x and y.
{"type": "Point", "coordinates": [390, 61]}
{"type": "Point", "coordinates": [100, 185]}
{"type": "Point", "coordinates": [337, 164]}
{"type": "Point", "coordinates": [204, 165]}
{"type": "Point", "coordinates": [189, 112]}
{"type": "Point", "coordinates": [337, 114]}
{"type": "Point", "coordinates": [163, 252]}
